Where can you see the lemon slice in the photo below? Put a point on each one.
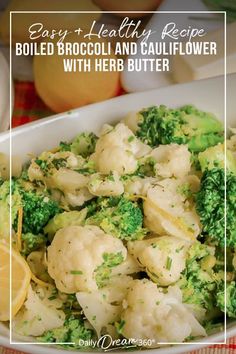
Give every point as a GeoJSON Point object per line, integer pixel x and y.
{"type": "Point", "coordinates": [179, 223]}
{"type": "Point", "coordinates": [21, 276]}
{"type": "Point", "coordinates": [175, 220]}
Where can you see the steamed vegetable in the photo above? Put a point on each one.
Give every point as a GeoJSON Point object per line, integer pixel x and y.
{"type": "Point", "coordinates": [68, 218]}
{"type": "Point", "coordinates": [185, 125]}
{"type": "Point", "coordinates": [210, 200]}
{"type": "Point", "coordinates": [230, 298]}
{"type": "Point", "coordinates": [73, 332]}
{"type": "Point", "coordinates": [98, 253]}
{"type": "Point", "coordinates": [32, 242]}
{"type": "Point", "coordinates": [162, 258]}
{"type": "Point", "coordinates": [197, 282]}
{"type": "Point", "coordinates": [38, 209]}
{"type": "Point", "coordinates": [83, 144]}
{"type": "Point", "coordinates": [119, 217]}
{"type": "Point", "coordinates": [145, 298]}
{"type": "Point", "coordinates": [104, 271]}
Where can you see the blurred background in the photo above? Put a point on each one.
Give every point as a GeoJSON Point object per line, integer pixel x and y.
{"type": "Point", "coordinates": [40, 86]}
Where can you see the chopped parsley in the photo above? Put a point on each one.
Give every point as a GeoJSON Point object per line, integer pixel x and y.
{"type": "Point", "coordinates": [168, 263]}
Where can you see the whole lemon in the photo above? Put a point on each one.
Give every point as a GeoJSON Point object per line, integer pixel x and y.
{"type": "Point", "coordinates": [62, 90]}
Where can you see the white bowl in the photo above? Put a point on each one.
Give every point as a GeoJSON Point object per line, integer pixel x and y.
{"type": "Point", "coordinates": [47, 133]}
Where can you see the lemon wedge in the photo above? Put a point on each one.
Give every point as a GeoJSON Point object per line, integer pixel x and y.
{"type": "Point", "coordinates": [21, 276]}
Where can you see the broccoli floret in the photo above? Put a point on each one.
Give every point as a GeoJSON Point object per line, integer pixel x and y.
{"type": "Point", "coordinates": [38, 209]}
{"type": "Point", "coordinates": [83, 144]}
{"type": "Point", "coordinates": [215, 157]}
{"type": "Point", "coordinates": [223, 260]}
{"type": "Point", "coordinates": [230, 298]}
{"type": "Point", "coordinates": [119, 217]}
{"type": "Point", "coordinates": [197, 282]}
{"type": "Point", "coordinates": [186, 125]}
{"type": "Point", "coordinates": [70, 218]}
{"type": "Point", "coordinates": [73, 331]}
{"type": "Point", "coordinates": [210, 200]}
{"type": "Point", "coordinates": [103, 272]}
{"type": "Point", "coordinates": [32, 242]}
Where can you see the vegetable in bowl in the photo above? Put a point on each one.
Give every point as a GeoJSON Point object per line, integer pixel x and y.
{"type": "Point", "coordinates": [116, 231]}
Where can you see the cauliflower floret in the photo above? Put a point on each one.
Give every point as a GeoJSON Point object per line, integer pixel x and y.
{"type": "Point", "coordinates": [118, 150]}
{"type": "Point", "coordinates": [46, 165]}
{"type": "Point", "coordinates": [38, 313]}
{"type": "Point", "coordinates": [103, 307]}
{"type": "Point", "coordinates": [115, 158]}
{"type": "Point", "coordinates": [163, 258]}
{"type": "Point", "coordinates": [129, 266]}
{"type": "Point", "coordinates": [77, 255]}
{"type": "Point", "coordinates": [168, 210]}
{"type": "Point", "coordinates": [71, 160]}
{"type": "Point", "coordinates": [110, 185]}
{"type": "Point", "coordinates": [34, 172]}
{"type": "Point", "coordinates": [149, 313]}
{"type": "Point", "coordinates": [132, 120]}
{"type": "Point", "coordinates": [68, 180]}
{"type": "Point", "coordinates": [172, 160]}
{"type": "Point", "coordinates": [77, 198]}
{"type": "Point", "coordinates": [138, 186]}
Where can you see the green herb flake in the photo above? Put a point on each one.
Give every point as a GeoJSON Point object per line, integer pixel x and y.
{"type": "Point", "coordinates": [58, 163]}
{"type": "Point", "coordinates": [131, 138]}
{"type": "Point", "coordinates": [111, 178]}
{"type": "Point", "coordinates": [168, 263]}
{"type": "Point", "coordinates": [120, 326]}
{"type": "Point", "coordinates": [42, 164]}
{"type": "Point", "coordinates": [53, 297]}
{"type": "Point", "coordinates": [179, 249]}
{"type": "Point", "coordinates": [76, 272]}
{"type": "Point", "coordinates": [64, 146]}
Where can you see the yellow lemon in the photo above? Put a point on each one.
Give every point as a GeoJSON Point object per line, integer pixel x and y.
{"type": "Point", "coordinates": [62, 91]}
{"type": "Point", "coordinates": [21, 276]}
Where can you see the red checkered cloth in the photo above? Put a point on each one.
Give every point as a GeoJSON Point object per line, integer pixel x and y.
{"type": "Point", "coordinates": [29, 107]}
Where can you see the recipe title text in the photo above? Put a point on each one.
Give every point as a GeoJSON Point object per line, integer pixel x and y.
{"type": "Point", "coordinates": [95, 49]}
